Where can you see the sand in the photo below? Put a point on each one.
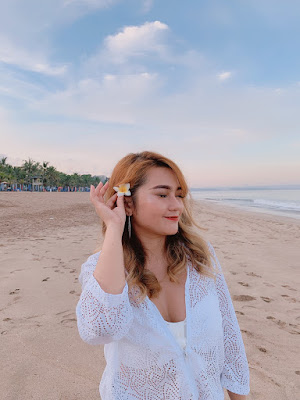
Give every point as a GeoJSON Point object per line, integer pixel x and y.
{"type": "Point", "coordinates": [45, 237]}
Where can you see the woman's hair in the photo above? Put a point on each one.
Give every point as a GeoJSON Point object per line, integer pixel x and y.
{"type": "Point", "coordinates": [185, 245]}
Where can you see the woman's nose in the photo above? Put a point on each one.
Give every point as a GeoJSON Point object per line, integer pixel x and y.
{"type": "Point", "coordinates": [175, 203]}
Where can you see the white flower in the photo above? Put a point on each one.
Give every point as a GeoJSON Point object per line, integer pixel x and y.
{"type": "Point", "coordinates": [123, 189]}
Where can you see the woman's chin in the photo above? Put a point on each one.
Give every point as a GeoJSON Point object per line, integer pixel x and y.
{"type": "Point", "coordinates": [173, 231]}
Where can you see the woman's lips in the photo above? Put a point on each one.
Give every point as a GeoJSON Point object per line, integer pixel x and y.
{"type": "Point", "coordinates": [173, 218]}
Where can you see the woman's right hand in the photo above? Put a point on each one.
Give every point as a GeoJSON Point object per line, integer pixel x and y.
{"type": "Point", "coordinates": [110, 213]}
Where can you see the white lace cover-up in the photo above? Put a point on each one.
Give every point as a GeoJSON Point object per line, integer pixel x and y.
{"type": "Point", "coordinates": [144, 360]}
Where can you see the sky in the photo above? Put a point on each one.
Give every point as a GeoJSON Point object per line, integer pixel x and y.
{"type": "Point", "coordinates": [213, 85]}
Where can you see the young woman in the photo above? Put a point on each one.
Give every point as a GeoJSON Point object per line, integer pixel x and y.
{"type": "Point", "coordinates": [155, 294]}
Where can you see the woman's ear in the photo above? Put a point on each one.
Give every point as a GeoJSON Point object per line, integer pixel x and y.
{"type": "Point", "coordinates": [128, 205]}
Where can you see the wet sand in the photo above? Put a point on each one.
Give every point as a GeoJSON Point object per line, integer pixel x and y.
{"type": "Point", "coordinates": [45, 237]}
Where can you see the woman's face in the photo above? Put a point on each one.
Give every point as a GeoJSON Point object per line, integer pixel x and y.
{"type": "Point", "coordinates": [160, 197]}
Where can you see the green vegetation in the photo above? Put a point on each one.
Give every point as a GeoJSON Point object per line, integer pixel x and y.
{"type": "Point", "coordinates": [37, 176]}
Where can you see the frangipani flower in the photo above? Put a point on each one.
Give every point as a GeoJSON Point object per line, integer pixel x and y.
{"type": "Point", "coordinates": [123, 189]}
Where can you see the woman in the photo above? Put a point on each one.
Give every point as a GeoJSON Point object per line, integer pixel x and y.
{"type": "Point", "coordinates": [155, 294]}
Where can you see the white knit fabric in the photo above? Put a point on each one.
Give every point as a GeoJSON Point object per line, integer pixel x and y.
{"type": "Point", "coordinates": [145, 361]}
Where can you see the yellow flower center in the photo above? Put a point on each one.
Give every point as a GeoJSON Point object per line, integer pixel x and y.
{"type": "Point", "coordinates": [123, 189]}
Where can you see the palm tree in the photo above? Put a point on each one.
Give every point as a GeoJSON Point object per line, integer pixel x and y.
{"type": "Point", "coordinates": [74, 180]}
{"type": "Point", "coordinates": [52, 176]}
{"type": "Point", "coordinates": [30, 167]}
{"type": "Point", "coordinates": [3, 161]}
{"type": "Point", "coordinates": [44, 172]}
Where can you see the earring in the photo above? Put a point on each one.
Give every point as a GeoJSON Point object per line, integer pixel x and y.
{"type": "Point", "coordinates": [129, 227]}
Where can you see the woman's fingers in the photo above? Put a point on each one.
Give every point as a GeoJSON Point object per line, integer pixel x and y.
{"type": "Point", "coordinates": [112, 200]}
{"type": "Point", "coordinates": [98, 188]}
{"type": "Point", "coordinates": [120, 202]}
{"type": "Point", "coordinates": [92, 192]}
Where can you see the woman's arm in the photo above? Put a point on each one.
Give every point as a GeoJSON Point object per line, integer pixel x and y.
{"type": "Point", "coordinates": [234, 396]}
{"type": "Point", "coordinates": [104, 313]}
{"type": "Point", "coordinates": [110, 270]}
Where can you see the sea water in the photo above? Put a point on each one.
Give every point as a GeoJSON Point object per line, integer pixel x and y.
{"type": "Point", "coordinates": [285, 202]}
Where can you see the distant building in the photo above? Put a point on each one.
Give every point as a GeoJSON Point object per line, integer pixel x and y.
{"type": "Point", "coordinates": [36, 183]}
{"type": "Point", "coordinates": [3, 186]}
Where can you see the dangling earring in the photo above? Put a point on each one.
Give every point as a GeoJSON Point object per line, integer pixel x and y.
{"type": "Point", "coordinates": [129, 227]}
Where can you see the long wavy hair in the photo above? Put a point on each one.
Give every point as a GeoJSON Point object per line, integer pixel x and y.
{"type": "Point", "coordinates": [186, 245]}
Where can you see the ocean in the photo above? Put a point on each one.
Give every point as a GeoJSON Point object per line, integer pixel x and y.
{"type": "Point", "coordinates": [284, 202]}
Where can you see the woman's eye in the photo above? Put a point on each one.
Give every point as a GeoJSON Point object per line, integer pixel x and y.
{"type": "Point", "coordinates": [164, 195]}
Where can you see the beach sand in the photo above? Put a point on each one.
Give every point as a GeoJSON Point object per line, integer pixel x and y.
{"type": "Point", "coordinates": [45, 237]}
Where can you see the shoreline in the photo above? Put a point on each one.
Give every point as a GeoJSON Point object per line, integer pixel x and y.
{"type": "Point", "coordinates": [256, 210]}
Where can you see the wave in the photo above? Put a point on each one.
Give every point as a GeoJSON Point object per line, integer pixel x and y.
{"type": "Point", "coordinates": [276, 202]}
{"type": "Point", "coordinates": [281, 205]}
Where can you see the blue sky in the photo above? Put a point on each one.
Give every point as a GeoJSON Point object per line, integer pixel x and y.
{"type": "Point", "coordinates": [213, 85]}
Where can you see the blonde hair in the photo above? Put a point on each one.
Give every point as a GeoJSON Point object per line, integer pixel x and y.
{"type": "Point", "coordinates": [186, 245]}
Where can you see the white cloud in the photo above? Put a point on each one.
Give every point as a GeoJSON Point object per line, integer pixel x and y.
{"type": "Point", "coordinates": [17, 56]}
{"type": "Point", "coordinates": [136, 41]}
{"type": "Point", "coordinates": [223, 76]}
{"type": "Point", "coordinates": [26, 29]}
{"type": "Point", "coordinates": [25, 20]}
{"type": "Point", "coordinates": [114, 99]}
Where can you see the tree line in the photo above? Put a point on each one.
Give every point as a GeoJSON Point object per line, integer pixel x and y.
{"type": "Point", "coordinates": [49, 176]}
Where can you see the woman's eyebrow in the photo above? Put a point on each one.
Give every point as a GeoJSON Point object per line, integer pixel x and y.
{"type": "Point", "coordinates": [164, 187]}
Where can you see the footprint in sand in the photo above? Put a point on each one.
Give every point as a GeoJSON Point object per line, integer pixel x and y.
{"type": "Point", "coordinates": [268, 284]}
{"type": "Point", "coordinates": [16, 270]}
{"type": "Point", "coordinates": [233, 272]}
{"type": "Point", "coordinates": [243, 297]}
{"type": "Point", "coordinates": [247, 332]}
{"type": "Point", "coordinates": [288, 287]}
{"type": "Point", "coordinates": [253, 274]}
{"type": "Point", "coordinates": [34, 316]}
{"type": "Point", "coordinates": [72, 292]}
{"type": "Point", "coordinates": [240, 313]}
{"type": "Point", "coordinates": [283, 324]}
{"type": "Point", "coordinates": [289, 299]}
{"type": "Point", "coordinates": [45, 280]}
{"type": "Point", "coordinates": [62, 312]}
{"type": "Point", "coordinates": [243, 283]}
{"type": "Point", "coordinates": [297, 372]}
{"type": "Point", "coordinates": [266, 299]}
{"type": "Point", "coordinates": [277, 321]}
{"type": "Point", "coordinates": [15, 291]}
{"type": "Point", "coordinates": [67, 320]}
{"type": "Point", "coordinates": [262, 349]}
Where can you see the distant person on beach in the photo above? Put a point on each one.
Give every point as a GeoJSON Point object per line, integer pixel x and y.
{"type": "Point", "coordinates": [155, 294]}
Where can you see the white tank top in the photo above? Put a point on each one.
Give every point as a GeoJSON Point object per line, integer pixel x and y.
{"type": "Point", "coordinates": [178, 329]}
